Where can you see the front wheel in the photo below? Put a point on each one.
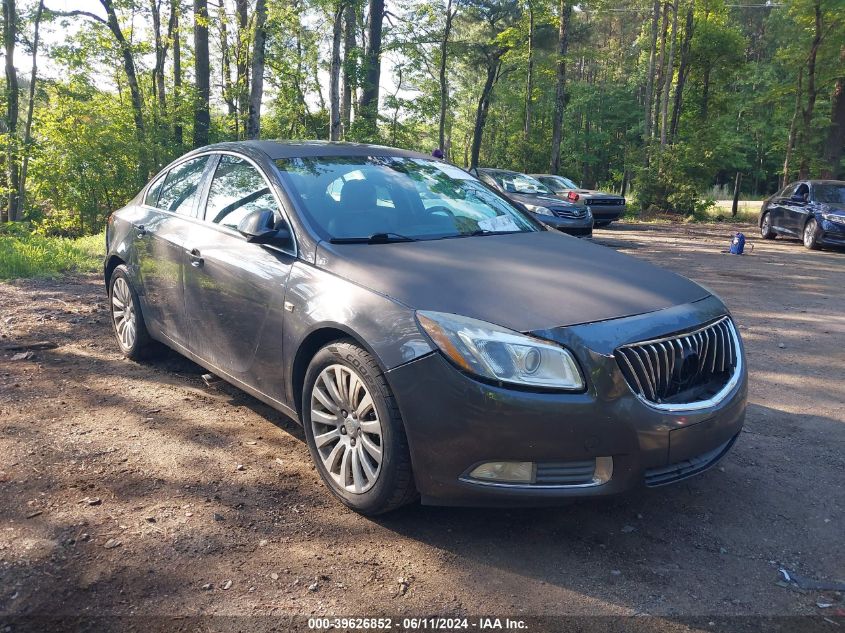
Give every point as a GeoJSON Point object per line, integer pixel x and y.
{"type": "Point", "coordinates": [811, 230]}
{"type": "Point", "coordinates": [766, 227]}
{"type": "Point", "coordinates": [354, 430]}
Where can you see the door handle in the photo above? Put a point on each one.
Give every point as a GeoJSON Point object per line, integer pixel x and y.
{"type": "Point", "coordinates": [194, 256]}
{"type": "Point", "coordinates": [140, 231]}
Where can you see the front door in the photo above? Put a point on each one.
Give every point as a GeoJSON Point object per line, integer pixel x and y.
{"type": "Point", "coordinates": [234, 290]}
{"type": "Point", "coordinates": [161, 234]}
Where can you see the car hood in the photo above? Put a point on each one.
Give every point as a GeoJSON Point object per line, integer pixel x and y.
{"type": "Point", "coordinates": [597, 194]}
{"type": "Point", "coordinates": [523, 281]}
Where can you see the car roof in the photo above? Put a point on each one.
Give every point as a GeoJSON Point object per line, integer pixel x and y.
{"type": "Point", "coordinates": [297, 149]}
{"type": "Point", "coordinates": [825, 182]}
{"type": "Point", "coordinates": [491, 170]}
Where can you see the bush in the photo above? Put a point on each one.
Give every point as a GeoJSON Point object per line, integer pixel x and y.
{"type": "Point", "coordinates": [58, 223]}
{"type": "Point", "coordinates": [36, 255]}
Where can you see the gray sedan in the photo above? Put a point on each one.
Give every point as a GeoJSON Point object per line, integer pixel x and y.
{"type": "Point", "coordinates": [434, 340]}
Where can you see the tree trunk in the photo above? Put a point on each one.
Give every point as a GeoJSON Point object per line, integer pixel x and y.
{"type": "Point", "coordinates": [27, 128]}
{"type": "Point", "coordinates": [649, 86]}
{"type": "Point", "coordinates": [667, 83]}
{"type": "Point", "coordinates": [256, 91]}
{"type": "Point", "coordinates": [790, 140]}
{"type": "Point", "coordinates": [160, 56]}
{"type": "Point", "coordinates": [529, 89]}
{"type": "Point", "coordinates": [493, 65]}
{"type": "Point", "coordinates": [9, 34]}
{"type": "Point", "coordinates": [372, 71]}
{"type": "Point", "coordinates": [836, 132]}
{"type": "Point", "coordinates": [177, 71]}
{"type": "Point", "coordinates": [242, 64]}
{"type": "Point", "coordinates": [228, 90]}
{"type": "Point", "coordinates": [661, 71]}
{"type": "Point", "coordinates": [682, 74]}
{"type": "Point", "coordinates": [202, 116]}
{"type": "Point", "coordinates": [444, 85]}
{"type": "Point", "coordinates": [560, 85]}
{"type": "Point", "coordinates": [334, 74]}
{"type": "Point", "coordinates": [807, 114]}
{"type": "Point", "coordinates": [737, 184]}
{"type": "Point", "coordinates": [350, 54]}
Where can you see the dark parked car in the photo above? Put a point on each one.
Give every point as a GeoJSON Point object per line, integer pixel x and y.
{"type": "Point", "coordinates": [458, 351]}
{"type": "Point", "coordinates": [538, 199]}
{"type": "Point", "coordinates": [811, 210]}
{"type": "Point", "coordinates": [606, 207]}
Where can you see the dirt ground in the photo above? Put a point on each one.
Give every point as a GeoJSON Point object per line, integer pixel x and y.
{"type": "Point", "coordinates": [133, 489]}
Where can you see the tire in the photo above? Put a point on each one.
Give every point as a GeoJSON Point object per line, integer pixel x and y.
{"type": "Point", "coordinates": [345, 457]}
{"type": "Point", "coordinates": [811, 234]}
{"type": "Point", "coordinates": [766, 227]}
{"type": "Point", "coordinates": [128, 324]}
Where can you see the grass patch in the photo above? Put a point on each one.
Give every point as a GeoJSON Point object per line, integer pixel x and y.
{"type": "Point", "coordinates": [23, 256]}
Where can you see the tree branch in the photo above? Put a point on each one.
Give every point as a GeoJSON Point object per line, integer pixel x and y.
{"type": "Point", "coordinates": [75, 14]}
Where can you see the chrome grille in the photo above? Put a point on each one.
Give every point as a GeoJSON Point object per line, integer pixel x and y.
{"type": "Point", "coordinates": [570, 213]}
{"type": "Point", "coordinates": [682, 368]}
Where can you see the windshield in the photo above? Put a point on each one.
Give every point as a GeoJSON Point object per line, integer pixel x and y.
{"type": "Point", "coordinates": [348, 197]}
{"type": "Point", "coordinates": [513, 182]}
{"type": "Point", "coordinates": [832, 194]}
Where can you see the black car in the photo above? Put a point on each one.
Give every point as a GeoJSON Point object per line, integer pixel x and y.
{"type": "Point", "coordinates": [810, 210]}
{"type": "Point", "coordinates": [563, 215]}
{"type": "Point", "coordinates": [606, 207]}
{"type": "Point", "coordinates": [433, 340]}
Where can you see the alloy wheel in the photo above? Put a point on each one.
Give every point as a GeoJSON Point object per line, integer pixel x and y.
{"type": "Point", "coordinates": [810, 234]}
{"type": "Point", "coordinates": [123, 313]}
{"type": "Point", "coordinates": [346, 428]}
{"type": "Point", "coordinates": [766, 225]}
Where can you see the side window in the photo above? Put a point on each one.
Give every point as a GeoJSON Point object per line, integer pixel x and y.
{"type": "Point", "coordinates": [151, 199]}
{"type": "Point", "coordinates": [236, 189]}
{"type": "Point", "coordinates": [181, 186]}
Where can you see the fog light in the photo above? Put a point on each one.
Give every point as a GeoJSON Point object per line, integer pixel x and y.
{"type": "Point", "coordinates": [511, 472]}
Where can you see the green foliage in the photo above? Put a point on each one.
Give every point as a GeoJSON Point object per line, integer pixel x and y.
{"type": "Point", "coordinates": [39, 256]}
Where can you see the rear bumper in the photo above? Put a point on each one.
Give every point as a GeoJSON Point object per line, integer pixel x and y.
{"type": "Point", "coordinates": [602, 213]}
{"type": "Point", "coordinates": [455, 422]}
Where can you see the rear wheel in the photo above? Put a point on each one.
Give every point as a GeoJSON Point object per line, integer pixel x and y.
{"type": "Point", "coordinates": [354, 430]}
{"type": "Point", "coordinates": [127, 321]}
{"type": "Point", "coordinates": [811, 231]}
{"type": "Point", "coordinates": [766, 227]}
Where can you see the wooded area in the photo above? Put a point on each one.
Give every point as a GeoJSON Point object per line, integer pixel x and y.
{"type": "Point", "coordinates": [660, 99]}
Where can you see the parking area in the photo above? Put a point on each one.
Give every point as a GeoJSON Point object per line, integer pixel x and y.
{"type": "Point", "coordinates": [134, 489]}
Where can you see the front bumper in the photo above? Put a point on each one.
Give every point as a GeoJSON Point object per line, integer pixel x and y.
{"type": "Point", "coordinates": [832, 233]}
{"type": "Point", "coordinates": [455, 422]}
{"type": "Point", "coordinates": [580, 227]}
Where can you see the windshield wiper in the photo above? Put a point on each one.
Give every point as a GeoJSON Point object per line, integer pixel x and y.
{"type": "Point", "coordinates": [375, 238]}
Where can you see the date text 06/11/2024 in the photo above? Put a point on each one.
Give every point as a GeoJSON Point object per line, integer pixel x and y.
{"type": "Point", "coordinates": [417, 624]}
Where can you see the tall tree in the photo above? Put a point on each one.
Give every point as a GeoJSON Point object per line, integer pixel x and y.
{"type": "Point", "coordinates": [835, 142]}
{"type": "Point", "coordinates": [667, 82]}
{"type": "Point", "coordinates": [649, 86]}
{"type": "Point", "coordinates": [242, 62]}
{"type": "Point", "coordinates": [372, 71]}
{"type": "Point", "coordinates": [443, 78]}
{"type": "Point", "coordinates": [335, 123]}
{"type": "Point", "coordinates": [175, 35]}
{"type": "Point", "coordinates": [529, 88]}
{"type": "Point", "coordinates": [565, 13]}
{"type": "Point", "coordinates": [30, 108]}
{"type": "Point", "coordinates": [202, 115]}
{"type": "Point", "coordinates": [683, 70]}
{"type": "Point", "coordinates": [10, 20]}
{"type": "Point", "coordinates": [494, 67]}
{"type": "Point", "coordinates": [812, 91]}
{"type": "Point", "coordinates": [256, 90]}
{"type": "Point", "coordinates": [350, 60]}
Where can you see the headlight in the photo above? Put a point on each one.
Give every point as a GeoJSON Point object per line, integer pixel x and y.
{"type": "Point", "coordinates": [535, 208]}
{"type": "Point", "coordinates": [500, 354]}
{"type": "Point", "coordinates": [834, 217]}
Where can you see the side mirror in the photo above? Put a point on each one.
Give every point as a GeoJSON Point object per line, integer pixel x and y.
{"type": "Point", "coordinates": [259, 227]}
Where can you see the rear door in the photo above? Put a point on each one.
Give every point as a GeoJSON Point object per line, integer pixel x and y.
{"type": "Point", "coordinates": [170, 206]}
{"type": "Point", "coordinates": [235, 290]}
